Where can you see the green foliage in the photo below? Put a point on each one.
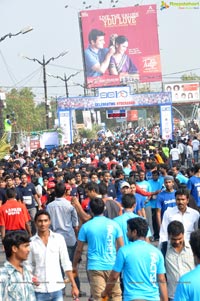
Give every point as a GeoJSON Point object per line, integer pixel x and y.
{"type": "Point", "coordinates": [90, 134]}
{"type": "Point", "coordinates": [190, 76]}
{"type": "Point", "coordinates": [29, 116]}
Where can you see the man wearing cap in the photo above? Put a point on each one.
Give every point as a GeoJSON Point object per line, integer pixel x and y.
{"type": "Point", "coordinates": [50, 192]}
{"type": "Point", "coordinates": [124, 189]}
{"type": "Point", "coordinates": [68, 192]}
{"type": "Point", "coordinates": [165, 199]}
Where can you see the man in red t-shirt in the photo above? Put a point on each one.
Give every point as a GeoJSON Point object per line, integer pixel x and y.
{"type": "Point", "coordinates": [13, 214]}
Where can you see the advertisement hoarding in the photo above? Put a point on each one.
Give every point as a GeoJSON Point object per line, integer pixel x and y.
{"type": "Point", "coordinates": [120, 45]}
{"type": "Point", "coordinates": [183, 92]}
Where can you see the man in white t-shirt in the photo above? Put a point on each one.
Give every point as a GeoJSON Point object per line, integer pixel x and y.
{"type": "Point", "coordinates": [174, 154]}
{"type": "Point", "coordinates": [195, 148]}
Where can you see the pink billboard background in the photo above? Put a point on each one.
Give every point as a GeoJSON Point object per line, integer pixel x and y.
{"type": "Point", "coordinates": [139, 25]}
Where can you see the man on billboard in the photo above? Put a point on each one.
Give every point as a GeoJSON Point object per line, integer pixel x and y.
{"type": "Point", "coordinates": [97, 58]}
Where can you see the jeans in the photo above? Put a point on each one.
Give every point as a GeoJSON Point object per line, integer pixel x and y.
{"type": "Point", "coordinates": [71, 252]}
{"type": "Point", "coordinates": [149, 218]}
{"type": "Point", "coordinates": [196, 156]}
{"type": "Point", "coordinates": [32, 212]}
{"type": "Point", "coordinates": [54, 296]}
{"type": "Point", "coordinates": [8, 138]}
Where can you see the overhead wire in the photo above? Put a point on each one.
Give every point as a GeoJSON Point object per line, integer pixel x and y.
{"type": "Point", "coordinates": [11, 75]}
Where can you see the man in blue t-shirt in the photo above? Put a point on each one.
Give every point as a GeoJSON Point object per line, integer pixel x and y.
{"type": "Point", "coordinates": [97, 58]}
{"type": "Point", "coordinates": [102, 235]}
{"type": "Point", "coordinates": [142, 183]}
{"type": "Point", "coordinates": [128, 203]}
{"type": "Point", "coordinates": [193, 184]}
{"type": "Point", "coordinates": [142, 266]}
{"type": "Point", "coordinates": [165, 199]}
{"type": "Point", "coordinates": [188, 285]}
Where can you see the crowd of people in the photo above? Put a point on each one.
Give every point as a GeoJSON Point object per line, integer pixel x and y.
{"type": "Point", "coordinates": [135, 203]}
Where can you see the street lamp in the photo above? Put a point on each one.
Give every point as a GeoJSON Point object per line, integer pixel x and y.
{"type": "Point", "coordinates": [22, 31]}
{"type": "Point", "coordinates": [10, 35]}
{"type": "Point", "coordinates": [43, 63]}
{"type": "Point", "coordinates": [86, 87]}
{"type": "Point", "coordinates": [65, 79]}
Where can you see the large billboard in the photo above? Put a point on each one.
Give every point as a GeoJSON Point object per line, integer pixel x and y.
{"type": "Point", "coordinates": [120, 45]}
{"type": "Point", "coordinates": [183, 92]}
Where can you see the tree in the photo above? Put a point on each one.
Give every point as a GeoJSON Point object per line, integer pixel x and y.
{"type": "Point", "coordinates": [20, 105]}
{"type": "Point", "coordinates": [190, 76]}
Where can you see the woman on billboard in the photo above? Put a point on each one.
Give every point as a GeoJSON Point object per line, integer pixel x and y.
{"type": "Point", "coordinates": [120, 62]}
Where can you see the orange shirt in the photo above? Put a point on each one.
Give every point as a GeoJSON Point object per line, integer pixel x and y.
{"type": "Point", "coordinates": [13, 215]}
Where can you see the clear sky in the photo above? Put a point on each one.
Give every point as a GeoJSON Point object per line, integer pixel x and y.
{"type": "Point", "coordinates": [56, 29]}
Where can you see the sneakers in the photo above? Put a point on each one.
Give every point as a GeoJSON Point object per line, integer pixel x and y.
{"type": "Point", "coordinates": [82, 294]}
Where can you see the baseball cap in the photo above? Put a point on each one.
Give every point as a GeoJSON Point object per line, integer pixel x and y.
{"type": "Point", "coordinates": [124, 184]}
{"type": "Point", "coordinates": [51, 185]}
{"type": "Point", "coordinates": [67, 186]}
{"type": "Point", "coordinates": [168, 178]}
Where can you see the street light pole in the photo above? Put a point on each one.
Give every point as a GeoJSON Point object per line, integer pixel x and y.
{"type": "Point", "coordinates": [65, 79]}
{"type": "Point", "coordinates": [22, 31]}
{"type": "Point", "coordinates": [45, 92]}
{"type": "Point", "coordinates": [10, 35]}
{"type": "Point", "coordinates": [44, 63]}
{"type": "Point", "coordinates": [84, 86]}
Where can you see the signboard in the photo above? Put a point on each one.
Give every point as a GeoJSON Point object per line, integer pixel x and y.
{"type": "Point", "coordinates": [65, 120]}
{"type": "Point", "coordinates": [110, 114]}
{"type": "Point", "coordinates": [132, 115]}
{"type": "Point", "coordinates": [34, 143]}
{"type": "Point", "coordinates": [114, 101]}
{"type": "Point", "coordinates": [120, 45]}
{"type": "Point", "coordinates": [166, 122]}
{"type": "Point", "coordinates": [183, 92]}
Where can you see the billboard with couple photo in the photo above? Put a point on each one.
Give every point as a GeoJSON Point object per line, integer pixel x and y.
{"type": "Point", "coordinates": [120, 46]}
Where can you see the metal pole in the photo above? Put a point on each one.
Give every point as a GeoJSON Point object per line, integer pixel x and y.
{"type": "Point", "coordinates": [66, 86]}
{"type": "Point", "coordinates": [1, 118]}
{"type": "Point", "coordinates": [45, 93]}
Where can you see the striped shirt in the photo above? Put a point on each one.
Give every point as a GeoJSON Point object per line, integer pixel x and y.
{"type": "Point", "coordinates": [176, 265]}
{"type": "Point", "coordinates": [15, 286]}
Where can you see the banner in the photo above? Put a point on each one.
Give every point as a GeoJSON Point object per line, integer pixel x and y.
{"type": "Point", "coordinates": [166, 122]}
{"type": "Point", "coordinates": [183, 92]}
{"type": "Point", "coordinates": [114, 100]}
{"type": "Point", "coordinates": [49, 139]}
{"type": "Point", "coordinates": [65, 121]}
{"type": "Point", "coordinates": [120, 45]}
{"type": "Point", "coordinates": [34, 143]}
{"type": "Point", "coordinates": [87, 120]}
